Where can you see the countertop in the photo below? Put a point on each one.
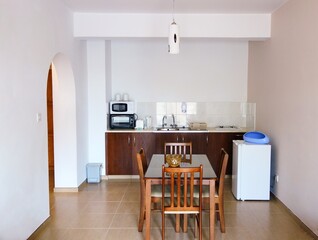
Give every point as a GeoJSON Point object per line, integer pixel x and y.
{"type": "Point", "coordinates": [154, 130]}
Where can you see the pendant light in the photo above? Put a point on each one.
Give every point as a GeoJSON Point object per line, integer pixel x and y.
{"type": "Point", "coordinates": [174, 40]}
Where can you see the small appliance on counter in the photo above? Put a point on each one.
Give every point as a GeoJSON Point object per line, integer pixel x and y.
{"type": "Point", "coordinates": [122, 107]}
{"type": "Point", "coordinates": [122, 121]}
{"type": "Point", "coordinates": [139, 124]}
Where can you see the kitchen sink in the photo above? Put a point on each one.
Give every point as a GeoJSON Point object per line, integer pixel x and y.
{"type": "Point", "coordinates": [167, 129]}
{"type": "Point", "coordinates": [172, 129]}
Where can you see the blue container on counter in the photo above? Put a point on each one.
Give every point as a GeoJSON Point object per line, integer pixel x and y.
{"type": "Point", "coordinates": [256, 137]}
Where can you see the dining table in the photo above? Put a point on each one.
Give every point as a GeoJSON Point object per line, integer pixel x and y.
{"type": "Point", "coordinates": [153, 176]}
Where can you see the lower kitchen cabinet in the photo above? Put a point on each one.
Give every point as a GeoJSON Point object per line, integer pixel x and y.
{"type": "Point", "coordinates": [118, 154]}
{"type": "Point", "coordinates": [121, 151]}
{"type": "Point", "coordinates": [199, 141]}
{"type": "Point", "coordinates": [217, 141]}
{"type": "Point", "coordinates": [121, 148]}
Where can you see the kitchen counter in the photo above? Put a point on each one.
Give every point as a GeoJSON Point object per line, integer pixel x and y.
{"type": "Point", "coordinates": [154, 130]}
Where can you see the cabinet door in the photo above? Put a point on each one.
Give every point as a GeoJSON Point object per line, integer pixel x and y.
{"type": "Point", "coordinates": [145, 141]}
{"type": "Point", "coordinates": [199, 141]}
{"type": "Point", "coordinates": [161, 138]}
{"type": "Point", "coordinates": [119, 153]}
{"type": "Point", "coordinates": [216, 141]}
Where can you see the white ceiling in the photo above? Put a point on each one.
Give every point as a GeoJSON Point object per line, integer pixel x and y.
{"type": "Point", "coordinates": [181, 6]}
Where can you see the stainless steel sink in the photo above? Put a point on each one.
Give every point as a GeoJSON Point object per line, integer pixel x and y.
{"type": "Point", "coordinates": [172, 128]}
{"type": "Point", "coordinates": [167, 129]}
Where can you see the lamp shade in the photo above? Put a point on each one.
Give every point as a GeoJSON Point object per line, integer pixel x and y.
{"type": "Point", "coordinates": [174, 39]}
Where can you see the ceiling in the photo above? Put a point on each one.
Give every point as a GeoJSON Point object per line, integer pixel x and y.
{"type": "Point", "coordinates": [181, 6]}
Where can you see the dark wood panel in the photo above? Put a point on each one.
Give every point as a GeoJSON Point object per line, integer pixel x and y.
{"type": "Point", "coordinates": [118, 152]}
{"type": "Point", "coordinates": [217, 141]}
{"type": "Point", "coordinates": [145, 141]}
{"type": "Point", "coordinates": [199, 141]}
{"type": "Point", "coordinates": [122, 148]}
{"type": "Point", "coordinates": [161, 138]}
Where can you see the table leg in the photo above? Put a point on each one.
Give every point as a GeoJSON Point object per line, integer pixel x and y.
{"type": "Point", "coordinates": [212, 209]}
{"type": "Point", "coordinates": [148, 208]}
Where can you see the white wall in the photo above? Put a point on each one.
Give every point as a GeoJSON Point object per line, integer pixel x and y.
{"type": "Point", "coordinates": [283, 82]}
{"type": "Point", "coordinates": [102, 25]}
{"type": "Point", "coordinates": [32, 33]}
{"type": "Point", "coordinates": [204, 71]}
{"type": "Point", "coordinates": [96, 70]}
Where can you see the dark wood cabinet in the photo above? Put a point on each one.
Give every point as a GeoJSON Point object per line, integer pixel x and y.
{"type": "Point", "coordinates": [118, 152]}
{"type": "Point", "coordinates": [121, 148]}
{"type": "Point", "coordinates": [217, 141]}
{"type": "Point", "coordinates": [199, 141]}
{"type": "Point", "coordinates": [145, 141]}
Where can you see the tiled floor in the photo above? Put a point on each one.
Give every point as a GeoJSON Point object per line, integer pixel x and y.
{"type": "Point", "coordinates": [109, 210]}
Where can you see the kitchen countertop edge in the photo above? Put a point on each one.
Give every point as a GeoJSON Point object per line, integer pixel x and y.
{"type": "Point", "coordinates": [178, 131]}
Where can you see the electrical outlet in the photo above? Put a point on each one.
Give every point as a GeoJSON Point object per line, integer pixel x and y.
{"type": "Point", "coordinates": [276, 178]}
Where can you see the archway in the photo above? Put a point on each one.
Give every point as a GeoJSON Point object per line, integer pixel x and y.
{"type": "Point", "coordinates": [64, 119]}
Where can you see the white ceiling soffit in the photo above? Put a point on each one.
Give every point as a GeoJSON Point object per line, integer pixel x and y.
{"type": "Point", "coordinates": [181, 6]}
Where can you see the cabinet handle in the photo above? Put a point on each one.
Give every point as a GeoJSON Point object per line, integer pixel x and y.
{"type": "Point", "coordinates": [134, 141]}
{"type": "Point", "coordinates": [177, 139]}
{"type": "Point", "coordinates": [207, 139]}
{"type": "Point", "coordinates": [182, 139]}
{"type": "Point", "coordinates": [128, 140]}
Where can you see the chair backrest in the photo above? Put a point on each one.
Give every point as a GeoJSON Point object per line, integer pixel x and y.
{"type": "Point", "coordinates": [181, 182]}
{"type": "Point", "coordinates": [142, 168]}
{"type": "Point", "coordinates": [182, 148]}
{"type": "Point", "coordinates": [222, 172]}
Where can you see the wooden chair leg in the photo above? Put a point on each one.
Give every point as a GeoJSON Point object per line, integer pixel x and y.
{"type": "Point", "coordinates": [222, 220]}
{"type": "Point", "coordinates": [177, 223]}
{"type": "Point", "coordinates": [163, 226]}
{"type": "Point", "coordinates": [142, 215]}
{"type": "Point", "coordinates": [200, 225]}
{"type": "Point", "coordinates": [195, 227]}
{"type": "Point", "coordinates": [185, 222]}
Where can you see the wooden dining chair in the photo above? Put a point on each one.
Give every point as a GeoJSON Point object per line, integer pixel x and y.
{"type": "Point", "coordinates": [182, 148]}
{"type": "Point", "coordinates": [181, 182]}
{"type": "Point", "coordinates": [156, 194]}
{"type": "Point", "coordinates": [219, 190]}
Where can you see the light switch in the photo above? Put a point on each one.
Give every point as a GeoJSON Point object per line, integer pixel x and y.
{"type": "Point", "coordinates": [38, 117]}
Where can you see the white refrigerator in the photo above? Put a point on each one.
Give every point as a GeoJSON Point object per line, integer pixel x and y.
{"type": "Point", "coordinates": [251, 170]}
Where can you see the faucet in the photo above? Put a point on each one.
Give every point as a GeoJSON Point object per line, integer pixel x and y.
{"type": "Point", "coordinates": [163, 121]}
{"type": "Point", "coordinates": [173, 121]}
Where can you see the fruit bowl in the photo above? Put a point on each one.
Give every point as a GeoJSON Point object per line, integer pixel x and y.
{"type": "Point", "coordinates": [174, 160]}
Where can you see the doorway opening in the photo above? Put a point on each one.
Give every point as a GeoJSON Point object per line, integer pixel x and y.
{"type": "Point", "coordinates": [50, 128]}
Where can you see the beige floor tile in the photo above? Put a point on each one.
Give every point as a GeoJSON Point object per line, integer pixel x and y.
{"type": "Point", "coordinates": [101, 207]}
{"type": "Point", "coordinates": [51, 233]}
{"type": "Point", "coordinates": [124, 234]}
{"type": "Point", "coordinates": [85, 234]}
{"type": "Point", "coordinates": [92, 220]}
{"type": "Point", "coordinates": [129, 207]}
{"type": "Point", "coordinates": [125, 221]}
{"type": "Point", "coordinates": [110, 210]}
{"type": "Point", "coordinates": [131, 196]}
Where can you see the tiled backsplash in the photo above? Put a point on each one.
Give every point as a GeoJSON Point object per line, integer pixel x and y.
{"type": "Point", "coordinates": [213, 113]}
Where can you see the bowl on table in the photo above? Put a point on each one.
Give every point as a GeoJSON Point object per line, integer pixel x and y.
{"type": "Point", "coordinates": [174, 160]}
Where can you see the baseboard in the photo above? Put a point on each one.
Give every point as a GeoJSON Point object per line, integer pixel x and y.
{"type": "Point", "coordinates": [34, 235]}
{"type": "Point", "coordinates": [71, 190]}
{"type": "Point", "coordinates": [121, 177]}
{"type": "Point", "coordinates": [303, 225]}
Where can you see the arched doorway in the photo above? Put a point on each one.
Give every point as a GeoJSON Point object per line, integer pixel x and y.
{"type": "Point", "coordinates": [50, 128]}
{"type": "Point", "coordinates": [63, 120]}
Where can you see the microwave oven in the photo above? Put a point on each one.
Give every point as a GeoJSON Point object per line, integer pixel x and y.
{"type": "Point", "coordinates": [122, 107]}
{"type": "Point", "coordinates": [122, 121]}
